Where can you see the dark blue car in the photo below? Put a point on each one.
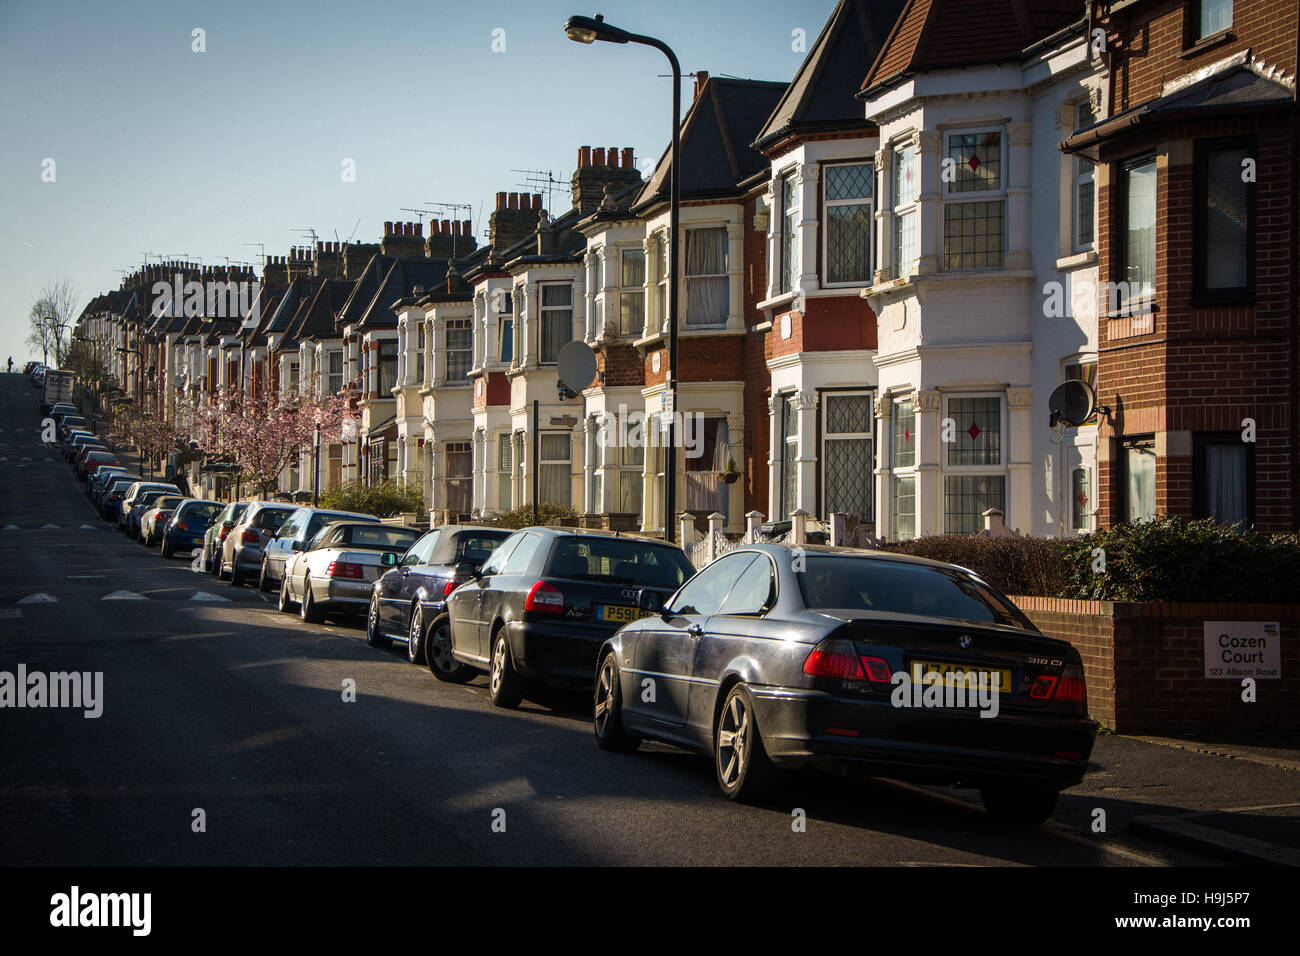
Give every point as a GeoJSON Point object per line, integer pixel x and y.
{"type": "Point", "coordinates": [189, 522]}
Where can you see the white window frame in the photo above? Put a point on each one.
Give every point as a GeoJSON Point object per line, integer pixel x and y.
{"type": "Point", "coordinates": [956, 471]}
{"type": "Point", "coordinates": [626, 290]}
{"type": "Point", "coordinates": [904, 209]}
{"type": "Point", "coordinates": [459, 324]}
{"type": "Point", "coordinates": [950, 197]}
{"type": "Point", "coordinates": [1085, 173]}
{"type": "Point", "coordinates": [716, 323]}
{"type": "Point", "coordinates": [787, 219]}
{"type": "Point", "coordinates": [828, 204]}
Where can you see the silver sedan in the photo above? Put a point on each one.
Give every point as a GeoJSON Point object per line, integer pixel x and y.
{"type": "Point", "coordinates": [335, 571]}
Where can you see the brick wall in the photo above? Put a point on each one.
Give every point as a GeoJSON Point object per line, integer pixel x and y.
{"type": "Point", "coordinates": [828, 324]}
{"type": "Point", "coordinates": [1144, 664]}
{"type": "Point", "coordinates": [1196, 367]}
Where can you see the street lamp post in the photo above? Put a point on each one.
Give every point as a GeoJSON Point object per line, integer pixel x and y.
{"type": "Point", "coordinates": [589, 30]}
{"type": "Point", "coordinates": [315, 470]}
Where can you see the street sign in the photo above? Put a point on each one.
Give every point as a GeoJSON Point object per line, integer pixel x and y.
{"type": "Point", "coordinates": [1237, 649]}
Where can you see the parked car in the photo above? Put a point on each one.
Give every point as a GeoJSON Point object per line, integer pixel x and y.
{"type": "Point", "coordinates": [59, 410]}
{"type": "Point", "coordinates": [241, 550]}
{"type": "Point", "coordinates": [301, 527]}
{"type": "Point", "coordinates": [217, 532]}
{"type": "Point", "coordinates": [69, 422]}
{"type": "Point", "coordinates": [335, 570]}
{"type": "Point", "coordinates": [132, 498]}
{"type": "Point", "coordinates": [548, 598]}
{"type": "Point", "coordinates": [110, 498]}
{"type": "Point", "coordinates": [155, 516]}
{"type": "Point", "coordinates": [92, 461]}
{"type": "Point", "coordinates": [410, 599]}
{"type": "Point", "coordinates": [144, 500]}
{"type": "Point", "coordinates": [100, 479]}
{"type": "Point", "coordinates": [775, 658]}
{"type": "Point", "coordinates": [188, 525]}
{"type": "Point", "coordinates": [76, 440]}
{"type": "Point", "coordinates": [83, 451]}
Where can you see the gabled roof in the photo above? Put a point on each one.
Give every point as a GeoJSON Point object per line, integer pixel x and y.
{"type": "Point", "coordinates": [316, 320]}
{"type": "Point", "coordinates": [399, 281]}
{"type": "Point", "coordinates": [942, 34]}
{"type": "Point", "coordinates": [715, 153]}
{"type": "Point", "coordinates": [822, 94]}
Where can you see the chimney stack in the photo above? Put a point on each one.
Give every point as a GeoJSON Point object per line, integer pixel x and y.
{"type": "Point", "coordinates": [274, 273]}
{"type": "Point", "coordinates": [701, 77]}
{"type": "Point", "coordinates": [356, 255]}
{"type": "Point", "coordinates": [513, 220]}
{"type": "Point", "coordinates": [404, 240]}
{"type": "Point", "coordinates": [327, 261]}
{"type": "Point", "coordinates": [597, 170]}
{"type": "Point", "coordinates": [448, 240]}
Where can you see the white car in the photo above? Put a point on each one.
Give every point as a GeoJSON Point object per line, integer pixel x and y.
{"type": "Point", "coordinates": [335, 570]}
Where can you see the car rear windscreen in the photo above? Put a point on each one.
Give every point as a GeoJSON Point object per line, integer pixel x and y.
{"type": "Point", "coordinates": [477, 547]}
{"type": "Point", "coordinates": [620, 561]}
{"type": "Point", "coordinates": [202, 510]}
{"type": "Point", "coordinates": [380, 538]}
{"type": "Point", "coordinates": [897, 587]}
{"type": "Point", "coordinates": [268, 519]}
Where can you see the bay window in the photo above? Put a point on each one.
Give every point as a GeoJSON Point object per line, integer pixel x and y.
{"type": "Point", "coordinates": [631, 296]}
{"type": "Point", "coordinates": [975, 473]}
{"type": "Point", "coordinates": [556, 321]}
{"type": "Point", "coordinates": [905, 193]}
{"type": "Point", "coordinates": [555, 487]}
{"type": "Point", "coordinates": [706, 277]}
{"type": "Point", "coordinates": [788, 263]}
{"type": "Point", "coordinates": [459, 482]}
{"type": "Point", "coordinates": [459, 344]}
{"type": "Point", "coordinates": [849, 214]}
{"type": "Point", "coordinates": [974, 211]}
{"type": "Point", "coordinates": [503, 472]}
{"type": "Point", "coordinates": [846, 458]}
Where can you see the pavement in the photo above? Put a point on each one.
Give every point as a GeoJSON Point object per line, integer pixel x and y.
{"type": "Point", "coordinates": [216, 702]}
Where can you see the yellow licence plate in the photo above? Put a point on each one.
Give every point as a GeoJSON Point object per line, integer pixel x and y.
{"type": "Point", "coordinates": [618, 613]}
{"type": "Point", "coordinates": [950, 672]}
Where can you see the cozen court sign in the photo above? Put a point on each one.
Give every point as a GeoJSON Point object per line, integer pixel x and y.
{"type": "Point", "coordinates": [1237, 649]}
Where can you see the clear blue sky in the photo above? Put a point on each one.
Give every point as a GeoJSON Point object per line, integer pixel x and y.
{"type": "Point", "coordinates": [160, 149]}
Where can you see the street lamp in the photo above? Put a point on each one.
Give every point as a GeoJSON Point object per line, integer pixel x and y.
{"type": "Point", "coordinates": [589, 30]}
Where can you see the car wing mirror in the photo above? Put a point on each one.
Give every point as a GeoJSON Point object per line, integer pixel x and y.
{"type": "Point", "coordinates": [651, 602]}
{"type": "Point", "coordinates": [297, 545]}
{"type": "Point", "coordinates": [388, 559]}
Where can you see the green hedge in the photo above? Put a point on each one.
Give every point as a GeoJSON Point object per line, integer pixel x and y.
{"type": "Point", "coordinates": [523, 517]}
{"type": "Point", "coordinates": [1166, 559]}
{"type": "Point", "coordinates": [384, 500]}
{"type": "Point", "coordinates": [1036, 566]}
{"type": "Point", "coordinates": [1173, 559]}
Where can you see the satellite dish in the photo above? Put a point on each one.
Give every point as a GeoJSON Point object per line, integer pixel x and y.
{"type": "Point", "coordinates": [1071, 403]}
{"type": "Point", "coordinates": [577, 368]}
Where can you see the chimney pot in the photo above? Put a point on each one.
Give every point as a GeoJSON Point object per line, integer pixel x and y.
{"type": "Point", "coordinates": [388, 228]}
{"type": "Point", "coordinates": [501, 200]}
{"type": "Point", "coordinates": [628, 158]}
{"type": "Point", "coordinates": [611, 157]}
{"type": "Point", "coordinates": [418, 229]}
{"type": "Point", "coordinates": [514, 200]}
{"type": "Point", "coordinates": [584, 156]}
{"type": "Point", "coordinates": [465, 228]}
{"type": "Point", "coordinates": [598, 157]}
{"type": "Point", "coordinates": [537, 200]}
{"type": "Point", "coordinates": [701, 77]}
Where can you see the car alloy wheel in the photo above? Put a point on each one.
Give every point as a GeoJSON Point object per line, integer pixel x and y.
{"type": "Point", "coordinates": [308, 608]}
{"type": "Point", "coordinates": [437, 654]}
{"type": "Point", "coordinates": [608, 711]}
{"type": "Point", "coordinates": [373, 637]}
{"type": "Point", "coordinates": [504, 685]}
{"type": "Point", "coordinates": [415, 636]}
{"type": "Point", "coordinates": [744, 771]}
{"type": "Point", "coordinates": [286, 602]}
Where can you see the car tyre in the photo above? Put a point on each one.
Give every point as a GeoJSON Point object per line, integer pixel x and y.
{"type": "Point", "coordinates": [415, 636]}
{"type": "Point", "coordinates": [505, 686]}
{"type": "Point", "coordinates": [236, 576]}
{"type": "Point", "coordinates": [1019, 806]}
{"type": "Point", "coordinates": [744, 771]}
{"type": "Point", "coordinates": [264, 582]}
{"type": "Point", "coordinates": [373, 637]}
{"type": "Point", "coordinates": [437, 654]}
{"type": "Point", "coordinates": [286, 602]}
{"type": "Point", "coordinates": [166, 549]}
{"type": "Point", "coordinates": [608, 710]}
{"type": "Point", "coordinates": [310, 610]}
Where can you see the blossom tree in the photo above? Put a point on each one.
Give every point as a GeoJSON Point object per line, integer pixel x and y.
{"type": "Point", "coordinates": [264, 435]}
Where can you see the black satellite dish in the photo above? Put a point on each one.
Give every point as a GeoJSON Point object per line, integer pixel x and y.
{"type": "Point", "coordinates": [576, 366]}
{"type": "Point", "coordinates": [1071, 403]}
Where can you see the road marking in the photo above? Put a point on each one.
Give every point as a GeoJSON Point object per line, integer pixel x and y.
{"type": "Point", "coordinates": [264, 598]}
{"type": "Point", "coordinates": [87, 527]}
{"type": "Point", "coordinates": [11, 527]}
{"type": "Point", "coordinates": [124, 596]}
{"type": "Point", "coordinates": [85, 576]}
{"type": "Point", "coordinates": [48, 527]}
{"type": "Point", "coordinates": [207, 596]}
{"type": "Point", "coordinates": [41, 598]}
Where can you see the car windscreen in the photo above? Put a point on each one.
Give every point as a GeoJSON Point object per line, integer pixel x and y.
{"type": "Point", "coordinates": [842, 582]}
{"type": "Point", "coordinates": [620, 561]}
{"type": "Point", "coordinates": [167, 502]}
{"type": "Point", "coordinates": [101, 456]}
{"type": "Point", "coordinates": [378, 538]}
{"type": "Point", "coordinates": [269, 519]}
{"type": "Point", "coordinates": [120, 485]}
{"type": "Point", "coordinates": [201, 509]}
{"type": "Point", "coordinates": [476, 546]}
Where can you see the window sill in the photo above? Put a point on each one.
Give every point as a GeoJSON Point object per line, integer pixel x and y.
{"type": "Point", "coordinates": [1208, 43]}
{"type": "Point", "coordinates": [777, 301]}
{"type": "Point", "coordinates": [1076, 260]}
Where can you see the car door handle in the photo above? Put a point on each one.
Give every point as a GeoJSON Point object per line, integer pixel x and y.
{"type": "Point", "coordinates": [695, 630]}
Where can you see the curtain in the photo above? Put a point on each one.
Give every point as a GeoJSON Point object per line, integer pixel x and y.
{"type": "Point", "coordinates": [1225, 483]}
{"type": "Point", "coordinates": [554, 482]}
{"type": "Point", "coordinates": [706, 271]}
{"type": "Point", "coordinates": [704, 490]}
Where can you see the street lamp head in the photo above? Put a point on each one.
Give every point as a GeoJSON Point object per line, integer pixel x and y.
{"type": "Point", "coordinates": [589, 30]}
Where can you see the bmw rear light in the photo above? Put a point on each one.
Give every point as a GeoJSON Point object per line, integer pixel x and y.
{"type": "Point", "coordinates": [343, 569]}
{"type": "Point", "coordinates": [448, 588]}
{"type": "Point", "coordinates": [838, 659]}
{"type": "Point", "coordinates": [545, 599]}
{"type": "Point", "coordinates": [224, 532]}
{"type": "Point", "coordinates": [250, 537]}
{"type": "Point", "coordinates": [1069, 687]}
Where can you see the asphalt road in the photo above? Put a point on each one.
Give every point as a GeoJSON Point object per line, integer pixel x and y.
{"type": "Point", "coordinates": [214, 701]}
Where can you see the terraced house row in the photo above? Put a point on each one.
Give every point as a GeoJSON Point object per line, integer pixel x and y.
{"type": "Point", "coordinates": [887, 265]}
